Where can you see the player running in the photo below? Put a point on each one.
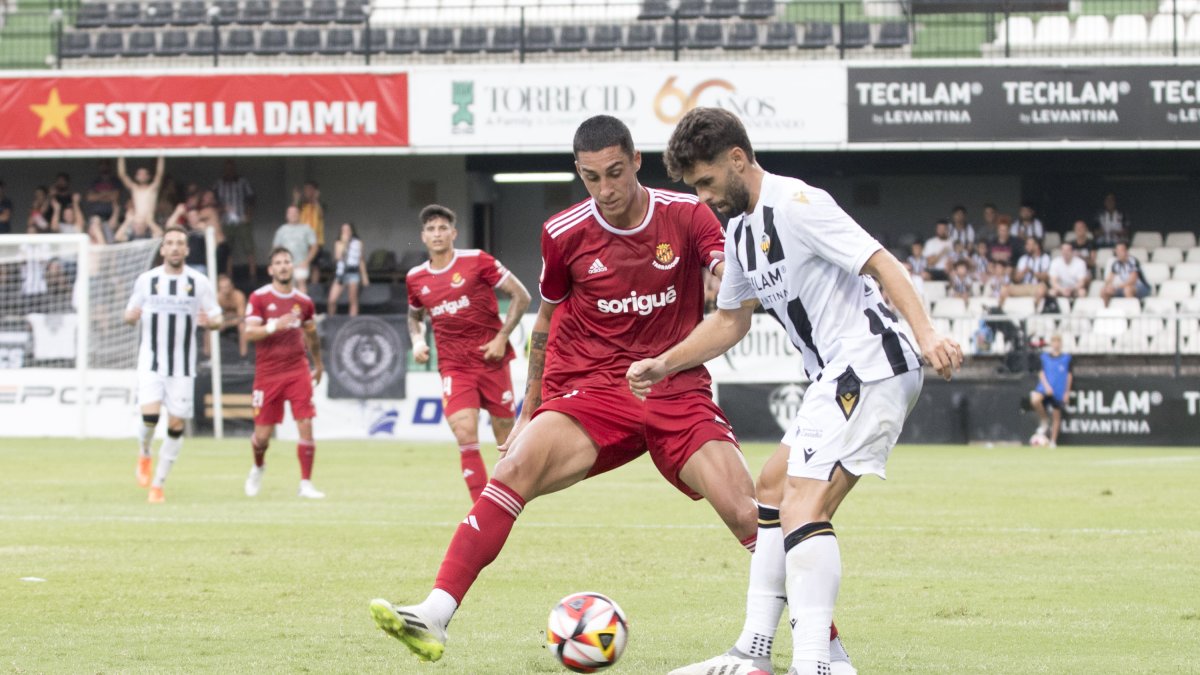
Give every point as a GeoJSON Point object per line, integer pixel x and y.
{"type": "Point", "coordinates": [170, 301]}
{"type": "Point", "coordinates": [280, 319]}
{"type": "Point", "coordinates": [457, 289]}
{"type": "Point", "coordinates": [621, 281]}
{"type": "Point", "coordinates": [793, 250]}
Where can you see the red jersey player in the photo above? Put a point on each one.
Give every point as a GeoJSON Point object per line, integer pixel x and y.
{"type": "Point", "coordinates": [456, 288]}
{"type": "Point", "coordinates": [621, 281]}
{"type": "Point", "coordinates": [280, 319]}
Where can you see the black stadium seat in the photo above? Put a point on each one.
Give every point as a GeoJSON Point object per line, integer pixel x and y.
{"type": "Point", "coordinates": [405, 40]}
{"type": "Point", "coordinates": [125, 14]}
{"type": "Point", "coordinates": [758, 9]}
{"type": "Point", "coordinates": [75, 45]}
{"type": "Point", "coordinates": [174, 43]}
{"type": "Point", "coordinates": [641, 36]}
{"type": "Point", "coordinates": [305, 41]}
{"type": "Point", "coordinates": [742, 36]}
{"type": "Point", "coordinates": [472, 39]}
{"type": "Point", "coordinates": [191, 13]}
{"type": "Point", "coordinates": [817, 35]}
{"type": "Point", "coordinates": [572, 38]}
{"type": "Point", "coordinates": [159, 14]}
{"type": "Point", "coordinates": [109, 44]}
{"type": "Point", "coordinates": [272, 41]}
{"type": "Point", "coordinates": [708, 35]}
{"type": "Point", "coordinates": [505, 39]}
{"type": "Point", "coordinates": [141, 43]}
{"type": "Point", "coordinates": [438, 40]}
{"type": "Point", "coordinates": [322, 11]}
{"type": "Point", "coordinates": [856, 34]}
{"type": "Point", "coordinates": [228, 11]}
{"type": "Point", "coordinates": [238, 42]}
{"type": "Point", "coordinates": [780, 36]}
{"type": "Point", "coordinates": [338, 41]}
{"type": "Point", "coordinates": [375, 40]}
{"type": "Point", "coordinates": [203, 43]}
{"type": "Point", "coordinates": [674, 35]}
{"type": "Point", "coordinates": [605, 38]}
{"type": "Point", "coordinates": [722, 9]}
{"type": "Point", "coordinates": [690, 9]}
{"type": "Point", "coordinates": [255, 12]}
{"type": "Point", "coordinates": [654, 9]}
{"type": "Point", "coordinates": [892, 34]}
{"type": "Point", "coordinates": [353, 11]}
{"type": "Point", "coordinates": [539, 39]}
{"type": "Point", "coordinates": [91, 15]}
{"type": "Point", "coordinates": [288, 11]}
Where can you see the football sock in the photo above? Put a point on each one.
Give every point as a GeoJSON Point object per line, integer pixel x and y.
{"type": "Point", "coordinates": [765, 596]}
{"type": "Point", "coordinates": [478, 540]}
{"type": "Point", "coordinates": [814, 572]}
{"type": "Point", "coordinates": [306, 451]}
{"type": "Point", "coordinates": [146, 433]}
{"type": "Point", "coordinates": [473, 469]}
{"type": "Point", "coordinates": [260, 451]}
{"type": "Point", "coordinates": [167, 453]}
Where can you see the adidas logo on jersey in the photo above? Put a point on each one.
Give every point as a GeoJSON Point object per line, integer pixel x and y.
{"type": "Point", "coordinates": [640, 304]}
{"type": "Point", "coordinates": [450, 306]}
{"type": "Point", "coordinates": [425, 290]}
{"type": "Point", "coordinates": [597, 267]}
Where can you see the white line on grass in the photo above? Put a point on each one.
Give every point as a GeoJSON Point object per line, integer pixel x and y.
{"type": "Point", "coordinates": [1148, 460]}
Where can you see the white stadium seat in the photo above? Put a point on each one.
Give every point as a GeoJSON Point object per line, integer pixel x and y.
{"type": "Point", "coordinates": [1091, 30]}
{"type": "Point", "coordinates": [1052, 241]}
{"type": "Point", "coordinates": [1167, 255]}
{"type": "Point", "coordinates": [1129, 29]}
{"type": "Point", "coordinates": [1155, 272]}
{"type": "Point", "coordinates": [1192, 254]}
{"type": "Point", "coordinates": [1096, 286]}
{"type": "Point", "coordinates": [1146, 240]}
{"type": "Point", "coordinates": [1020, 308]}
{"type": "Point", "coordinates": [979, 306]}
{"type": "Point", "coordinates": [1161, 31]}
{"type": "Point", "coordinates": [1103, 256]}
{"type": "Point", "coordinates": [1193, 30]}
{"type": "Point", "coordinates": [1129, 307]}
{"type": "Point", "coordinates": [1053, 30]}
{"type": "Point", "coordinates": [1175, 290]}
{"type": "Point", "coordinates": [935, 290]}
{"type": "Point", "coordinates": [1086, 306]}
{"type": "Point", "coordinates": [1189, 306]}
{"type": "Point", "coordinates": [1016, 31]}
{"type": "Point", "coordinates": [1184, 7]}
{"type": "Point", "coordinates": [1189, 272]}
{"type": "Point", "coordinates": [1180, 239]}
{"type": "Point", "coordinates": [1140, 252]}
{"type": "Point", "coordinates": [950, 308]}
{"type": "Point", "coordinates": [1189, 336]}
{"type": "Point", "coordinates": [1159, 306]}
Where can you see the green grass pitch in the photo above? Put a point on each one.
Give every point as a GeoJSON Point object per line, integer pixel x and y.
{"type": "Point", "coordinates": [967, 560]}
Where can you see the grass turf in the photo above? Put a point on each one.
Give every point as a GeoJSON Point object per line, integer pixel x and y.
{"type": "Point", "coordinates": [968, 560]}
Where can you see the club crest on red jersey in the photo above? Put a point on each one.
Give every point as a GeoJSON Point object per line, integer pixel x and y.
{"type": "Point", "coordinates": [457, 280]}
{"type": "Point", "coordinates": [664, 257]}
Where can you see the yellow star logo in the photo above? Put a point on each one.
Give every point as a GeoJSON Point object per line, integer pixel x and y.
{"type": "Point", "coordinates": [54, 114]}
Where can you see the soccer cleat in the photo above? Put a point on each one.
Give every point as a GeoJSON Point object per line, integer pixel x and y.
{"type": "Point", "coordinates": [409, 625]}
{"type": "Point", "coordinates": [144, 470]}
{"type": "Point", "coordinates": [308, 491]}
{"type": "Point", "coordinates": [732, 662]}
{"type": "Point", "coordinates": [254, 481]}
{"type": "Point", "coordinates": [156, 496]}
{"type": "Point", "coordinates": [839, 660]}
{"type": "Point", "coordinates": [1041, 430]}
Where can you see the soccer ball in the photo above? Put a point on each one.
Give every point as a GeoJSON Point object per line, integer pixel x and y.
{"type": "Point", "coordinates": [1039, 440]}
{"type": "Point", "coordinates": [587, 632]}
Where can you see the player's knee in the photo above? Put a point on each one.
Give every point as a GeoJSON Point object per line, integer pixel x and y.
{"type": "Point", "coordinates": [175, 432]}
{"type": "Point", "coordinates": [150, 420]}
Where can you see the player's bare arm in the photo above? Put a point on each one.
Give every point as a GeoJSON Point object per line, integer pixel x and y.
{"type": "Point", "coordinates": [205, 320]}
{"type": "Point", "coordinates": [939, 351]}
{"type": "Point", "coordinates": [313, 341]}
{"type": "Point", "coordinates": [416, 332]}
{"type": "Point", "coordinates": [518, 302]}
{"type": "Point", "coordinates": [256, 331]}
{"type": "Point", "coordinates": [538, 338]}
{"type": "Point", "coordinates": [711, 338]}
{"type": "Point", "coordinates": [133, 315]}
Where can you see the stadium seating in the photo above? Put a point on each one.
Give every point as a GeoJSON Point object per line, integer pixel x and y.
{"type": "Point", "coordinates": [1090, 31]}
{"type": "Point", "coordinates": [1146, 239]}
{"type": "Point", "coordinates": [109, 44]}
{"type": "Point", "coordinates": [654, 9]}
{"type": "Point", "coordinates": [174, 43]}
{"type": "Point", "coordinates": [1164, 31]}
{"type": "Point", "coordinates": [817, 35]}
{"type": "Point", "coordinates": [507, 39]}
{"type": "Point", "coordinates": [758, 9]}
{"type": "Point", "coordinates": [191, 13]}
{"type": "Point", "coordinates": [1189, 272]}
{"type": "Point", "coordinates": [141, 43]}
{"type": "Point", "coordinates": [722, 9]}
{"type": "Point", "coordinates": [1166, 255]}
{"type": "Point", "coordinates": [892, 34]}
{"type": "Point", "coordinates": [272, 41]}
{"type": "Point", "coordinates": [438, 40]}
{"type": "Point", "coordinates": [1180, 240]}
{"type": "Point", "coordinates": [1053, 30]}
{"type": "Point", "coordinates": [605, 38]}
{"type": "Point", "coordinates": [161, 13]}
{"type": "Point", "coordinates": [305, 41]}
{"type": "Point", "coordinates": [338, 41]}
{"type": "Point", "coordinates": [707, 35]}
{"type": "Point", "coordinates": [539, 39]}
{"type": "Point", "coordinates": [471, 39]}
{"type": "Point", "coordinates": [404, 41]}
{"type": "Point", "coordinates": [855, 34]}
{"type": "Point", "coordinates": [1016, 31]}
{"type": "Point", "coordinates": [742, 36]}
{"type": "Point", "coordinates": [1129, 30]}
{"type": "Point", "coordinates": [1155, 272]}
{"type": "Point", "coordinates": [322, 11]}
{"type": "Point", "coordinates": [572, 38]}
{"type": "Point", "coordinates": [1192, 254]}
{"type": "Point", "coordinates": [1175, 289]}
{"type": "Point", "coordinates": [690, 9]}
{"type": "Point", "coordinates": [783, 36]}
{"type": "Point", "coordinates": [238, 42]}
{"type": "Point", "coordinates": [674, 36]}
{"type": "Point", "coordinates": [125, 15]}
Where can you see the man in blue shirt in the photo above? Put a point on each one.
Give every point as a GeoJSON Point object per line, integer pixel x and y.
{"type": "Point", "coordinates": [1053, 390]}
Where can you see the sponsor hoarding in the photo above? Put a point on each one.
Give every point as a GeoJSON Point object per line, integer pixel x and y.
{"type": "Point", "coordinates": [44, 402]}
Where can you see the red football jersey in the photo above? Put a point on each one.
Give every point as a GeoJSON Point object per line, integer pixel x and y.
{"type": "Point", "coordinates": [625, 294]}
{"type": "Point", "coordinates": [283, 351]}
{"type": "Point", "coordinates": [461, 301]}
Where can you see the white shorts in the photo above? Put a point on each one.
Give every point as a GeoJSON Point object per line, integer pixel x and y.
{"type": "Point", "coordinates": [300, 273]}
{"type": "Point", "coordinates": [175, 393]}
{"type": "Point", "coordinates": [843, 421]}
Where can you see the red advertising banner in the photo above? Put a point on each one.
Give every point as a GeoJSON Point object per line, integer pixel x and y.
{"type": "Point", "coordinates": [204, 111]}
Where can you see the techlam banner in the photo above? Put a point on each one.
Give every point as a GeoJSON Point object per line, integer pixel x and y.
{"type": "Point", "coordinates": [536, 108]}
{"type": "Point", "coordinates": [203, 111]}
{"type": "Point", "coordinates": [1024, 103]}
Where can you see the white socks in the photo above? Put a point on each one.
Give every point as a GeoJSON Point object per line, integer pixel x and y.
{"type": "Point", "coordinates": [765, 596]}
{"type": "Point", "coordinates": [145, 436]}
{"type": "Point", "coordinates": [814, 573]}
{"type": "Point", "coordinates": [439, 606]}
{"type": "Point", "coordinates": [167, 454]}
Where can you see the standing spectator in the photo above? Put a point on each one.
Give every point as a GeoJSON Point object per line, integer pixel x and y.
{"type": "Point", "coordinates": [168, 199]}
{"type": "Point", "coordinates": [143, 189]}
{"type": "Point", "coordinates": [1069, 276]}
{"type": "Point", "coordinates": [351, 269]}
{"type": "Point", "coordinates": [960, 229]}
{"type": "Point", "coordinates": [103, 193]}
{"type": "Point", "coordinates": [67, 219]}
{"type": "Point", "coordinates": [918, 266]}
{"type": "Point", "coordinates": [938, 249]}
{"type": "Point", "coordinates": [233, 313]}
{"type": "Point", "coordinates": [208, 216]}
{"type": "Point", "coordinates": [960, 280]}
{"type": "Point", "coordinates": [6, 209]}
{"type": "Point", "coordinates": [1053, 389]}
{"type": "Point", "coordinates": [1005, 247]}
{"type": "Point", "coordinates": [38, 221]}
{"type": "Point", "coordinates": [1124, 276]}
{"type": "Point", "coordinates": [312, 213]}
{"type": "Point", "coordinates": [60, 191]}
{"type": "Point", "coordinates": [1027, 224]}
{"type": "Point", "coordinates": [237, 201]}
{"type": "Point", "coordinates": [1111, 224]}
{"type": "Point", "coordinates": [1030, 276]}
{"type": "Point", "coordinates": [104, 230]}
{"type": "Point", "coordinates": [988, 230]}
{"type": "Point", "coordinates": [1083, 242]}
{"type": "Point", "coordinates": [300, 239]}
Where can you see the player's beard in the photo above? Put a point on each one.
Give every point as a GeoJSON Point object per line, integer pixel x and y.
{"type": "Point", "coordinates": [737, 197]}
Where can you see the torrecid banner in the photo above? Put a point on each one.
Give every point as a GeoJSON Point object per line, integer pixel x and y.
{"type": "Point", "coordinates": [204, 111]}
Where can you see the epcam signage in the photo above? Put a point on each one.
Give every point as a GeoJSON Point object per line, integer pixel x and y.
{"type": "Point", "coordinates": [536, 108]}
{"type": "Point", "coordinates": [1022, 104]}
{"type": "Point", "coordinates": [204, 111]}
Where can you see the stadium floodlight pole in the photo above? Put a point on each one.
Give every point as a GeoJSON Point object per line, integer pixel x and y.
{"type": "Point", "coordinates": [214, 338]}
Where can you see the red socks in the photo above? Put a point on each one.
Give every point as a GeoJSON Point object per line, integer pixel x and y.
{"type": "Point", "coordinates": [260, 452]}
{"type": "Point", "coordinates": [479, 538]}
{"type": "Point", "coordinates": [474, 471]}
{"type": "Point", "coordinates": [305, 452]}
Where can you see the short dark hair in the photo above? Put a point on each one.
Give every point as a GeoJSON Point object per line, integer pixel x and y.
{"type": "Point", "coordinates": [63, 174]}
{"type": "Point", "coordinates": [700, 136]}
{"type": "Point", "coordinates": [437, 211]}
{"type": "Point", "coordinates": [175, 228]}
{"type": "Point", "coordinates": [600, 132]}
{"type": "Point", "coordinates": [312, 183]}
{"type": "Point", "coordinates": [989, 205]}
{"type": "Point", "coordinates": [276, 251]}
{"type": "Point", "coordinates": [958, 208]}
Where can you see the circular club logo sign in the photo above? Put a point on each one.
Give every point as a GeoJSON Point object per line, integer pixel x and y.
{"type": "Point", "coordinates": [366, 355]}
{"type": "Point", "coordinates": [784, 404]}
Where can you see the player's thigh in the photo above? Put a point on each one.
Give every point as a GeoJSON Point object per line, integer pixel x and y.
{"type": "Point", "coordinates": [179, 397]}
{"type": "Point", "coordinates": [464, 424]}
{"type": "Point", "coordinates": [682, 426]}
{"type": "Point", "coordinates": [298, 392]}
{"type": "Point", "coordinates": [551, 453]}
{"type": "Point", "coordinates": [151, 391]}
{"type": "Point", "coordinates": [267, 400]}
{"type": "Point", "coordinates": [460, 391]}
{"type": "Point", "coordinates": [496, 392]}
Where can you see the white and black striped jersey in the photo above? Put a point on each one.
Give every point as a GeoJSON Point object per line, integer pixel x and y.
{"type": "Point", "coordinates": [234, 195]}
{"type": "Point", "coordinates": [801, 256]}
{"type": "Point", "coordinates": [1030, 265]}
{"type": "Point", "coordinates": [1120, 270]}
{"type": "Point", "coordinates": [170, 305]}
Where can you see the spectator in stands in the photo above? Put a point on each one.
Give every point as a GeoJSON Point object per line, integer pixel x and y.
{"type": "Point", "coordinates": [1053, 390]}
{"type": "Point", "coordinates": [60, 191]}
{"type": "Point", "coordinates": [6, 209]}
{"type": "Point", "coordinates": [300, 239]}
{"type": "Point", "coordinates": [1004, 248]}
{"type": "Point", "coordinates": [1031, 275]}
{"type": "Point", "coordinates": [104, 230]}
{"type": "Point", "coordinates": [143, 189]}
{"type": "Point", "coordinates": [988, 230]}
{"type": "Point", "coordinates": [1083, 242]}
{"type": "Point", "coordinates": [133, 229]}
{"type": "Point", "coordinates": [961, 284]}
{"type": "Point", "coordinates": [38, 221]}
{"type": "Point", "coordinates": [979, 261]}
{"type": "Point", "coordinates": [233, 312]}
{"type": "Point", "coordinates": [103, 193]}
{"type": "Point", "coordinates": [1124, 276]}
{"type": "Point", "coordinates": [1027, 224]}
{"type": "Point", "coordinates": [168, 199]}
{"type": "Point", "coordinates": [67, 219]}
{"type": "Point", "coordinates": [208, 216]}
{"type": "Point", "coordinates": [938, 250]}
{"type": "Point", "coordinates": [961, 230]}
{"type": "Point", "coordinates": [998, 279]}
{"type": "Point", "coordinates": [312, 213]}
{"type": "Point", "coordinates": [237, 208]}
{"type": "Point", "coordinates": [917, 265]}
{"type": "Point", "coordinates": [351, 271]}
{"type": "Point", "coordinates": [1069, 276]}
{"type": "Point", "coordinates": [1111, 224]}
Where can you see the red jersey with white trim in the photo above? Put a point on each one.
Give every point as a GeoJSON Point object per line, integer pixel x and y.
{"type": "Point", "coordinates": [461, 301]}
{"type": "Point", "coordinates": [283, 351]}
{"type": "Point", "coordinates": [625, 294]}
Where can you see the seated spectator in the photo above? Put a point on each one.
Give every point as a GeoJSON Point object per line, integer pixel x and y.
{"type": "Point", "coordinates": [1004, 248]}
{"type": "Point", "coordinates": [104, 230]}
{"type": "Point", "coordinates": [961, 282]}
{"type": "Point", "coordinates": [979, 261]}
{"type": "Point", "coordinates": [1111, 224]}
{"type": "Point", "coordinates": [134, 229]}
{"type": "Point", "coordinates": [1083, 242]}
{"type": "Point", "coordinates": [998, 280]}
{"type": "Point", "coordinates": [6, 210]}
{"type": "Point", "coordinates": [351, 272]}
{"type": "Point", "coordinates": [987, 230]}
{"type": "Point", "coordinates": [1124, 276]}
{"type": "Point", "coordinates": [1069, 276]}
{"type": "Point", "coordinates": [917, 265]}
{"type": "Point", "coordinates": [103, 194]}
{"type": "Point", "coordinates": [66, 219]}
{"type": "Point", "coordinates": [1030, 276]}
{"type": "Point", "coordinates": [1027, 224]}
{"type": "Point", "coordinates": [937, 252]}
{"type": "Point", "coordinates": [961, 230]}
{"type": "Point", "coordinates": [38, 221]}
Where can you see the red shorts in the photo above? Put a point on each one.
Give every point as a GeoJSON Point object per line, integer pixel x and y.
{"type": "Point", "coordinates": [671, 428]}
{"type": "Point", "coordinates": [271, 392]}
{"type": "Point", "coordinates": [487, 388]}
